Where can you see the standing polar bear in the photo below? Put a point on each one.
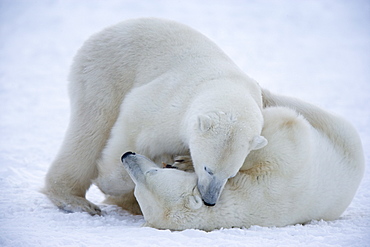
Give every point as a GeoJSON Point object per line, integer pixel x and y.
{"type": "Point", "coordinates": [161, 89]}
{"type": "Point", "coordinates": [309, 170]}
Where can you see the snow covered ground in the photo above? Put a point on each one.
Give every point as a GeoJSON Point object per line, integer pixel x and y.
{"type": "Point", "coordinates": [315, 50]}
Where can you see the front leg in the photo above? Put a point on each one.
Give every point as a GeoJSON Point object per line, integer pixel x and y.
{"type": "Point", "coordinates": [113, 178]}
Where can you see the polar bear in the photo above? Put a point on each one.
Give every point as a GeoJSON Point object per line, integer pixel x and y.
{"type": "Point", "coordinates": [309, 170]}
{"type": "Point", "coordinates": [161, 89]}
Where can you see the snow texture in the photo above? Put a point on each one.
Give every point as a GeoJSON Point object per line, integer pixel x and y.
{"type": "Point", "coordinates": [315, 50]}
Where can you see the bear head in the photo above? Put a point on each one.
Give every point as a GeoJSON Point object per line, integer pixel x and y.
{"type": "Point", "coordinates": [168, 198]}
{"type": "Point", "coordinates": [219, 144]}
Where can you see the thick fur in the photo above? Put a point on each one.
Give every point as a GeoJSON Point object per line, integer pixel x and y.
{"type": "Point", "coordinates": [158, 88]}
{"type": "Point", "coordinates": [310, 170]}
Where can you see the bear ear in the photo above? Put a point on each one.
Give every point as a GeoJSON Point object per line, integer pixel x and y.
{"type": "Point", "coordinates": [193, 202]}
{"type": "Point", "coordinates": [258, 142]}
{"type": "Point", "coordinates": [204, 122]}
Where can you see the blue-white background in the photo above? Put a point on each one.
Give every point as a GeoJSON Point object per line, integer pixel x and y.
{"type": "Point", "coordinates": [317, 50]}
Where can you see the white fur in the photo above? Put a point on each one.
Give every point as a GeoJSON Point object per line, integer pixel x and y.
{"type": "Point", "coordinates": [161, 89]}
{"type": "Point", "coordinates": [310, 170]}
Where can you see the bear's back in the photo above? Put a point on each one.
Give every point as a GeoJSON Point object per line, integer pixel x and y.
{"type": "Point", "coordinates": [140, 50]}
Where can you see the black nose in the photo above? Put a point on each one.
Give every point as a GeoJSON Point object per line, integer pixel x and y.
{"type": "Point", "coordinates": [126, 154]}
{"type": "Point", "coordinates": [208, 204]}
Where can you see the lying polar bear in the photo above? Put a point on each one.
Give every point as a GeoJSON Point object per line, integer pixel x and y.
{"type": "Point", "coordinates": [158, 88]}
{"type": "Point", "coordinates": [310, 169]}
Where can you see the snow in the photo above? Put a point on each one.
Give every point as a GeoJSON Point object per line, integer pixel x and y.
{"type": "Point", "coordinates": [315, 50]}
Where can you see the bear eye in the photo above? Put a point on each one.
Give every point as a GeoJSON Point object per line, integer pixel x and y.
{"type": "Point", "coordinates": [209, 171]}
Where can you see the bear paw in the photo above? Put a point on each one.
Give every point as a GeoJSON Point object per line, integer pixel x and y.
{"type": "Point", "coordinates": [73, 204]}
{"type": "Point", "coordinates": [183, 163]}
